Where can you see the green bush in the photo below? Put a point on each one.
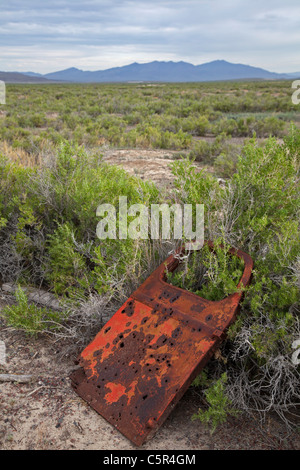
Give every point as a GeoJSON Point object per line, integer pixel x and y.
{"type": "Point", "coordinates": [48, 219]}
{"type": "Point", "coordinates": [202, 151]}
{"type": "Point", "coordinates": [209, 274]}
{"type": "Point", "coordinates": [225, 164]}
{"type": "Point", "coordinates": [258, 212]}
{"type": "Point", "coordinates": [28, 317]}
{"type": "Point", "coordinates": [219, 406]}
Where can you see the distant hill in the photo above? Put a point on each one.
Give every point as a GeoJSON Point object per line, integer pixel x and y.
{"type": "Point", "coordinates": [33, 74]}
{"type": "Point", "coordinates": [294, 75]}
{"type": "Point", "coordinates": [168, 72]}
{"type": "Point", "coordinates": [154, 72]}
{"type": "Point", "coordinates": [16, 77]}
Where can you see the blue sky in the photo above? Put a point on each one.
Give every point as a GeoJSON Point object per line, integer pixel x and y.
{"type": "Point", "coordinates": [44, 36]}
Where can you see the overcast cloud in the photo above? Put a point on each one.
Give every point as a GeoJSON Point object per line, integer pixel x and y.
{"type": "Point", "coordinates": [44, 36]}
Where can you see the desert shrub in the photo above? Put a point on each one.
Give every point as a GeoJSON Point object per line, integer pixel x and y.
{"type": "Point", "coordinates": [225, 125]}
{"type": "Point", "coordinates": [28, 317]}
{"type": "Point", "coordinates": [202, 125]}
{"type": "Point", "coordinates": [86, 114]}
{"type": "Point", "coordinates": [225, 163]}
{"type": "Point", "coordinates": [201, 151]}
{"type": "Point", "coordinates": [218, 405]}
{"type": "Point", "coordinates": [258, 212]}
{"type": "Point", "coordinates": [153, 137]}
{"type": "Point", "coordinates": [177, 141]}
{"type": "Point", "coordinates": [67, 270]}
{"type": "Point", "coordinates": [240, 126]}
{"type": "Point", "coordinates": [221, 153]}
{"type": "Point", "coordinates": [37, 120]}
{"type": "Point", "coordinates": [12, 180]}
{"type": "Point", "coordinates": [226, 156]}
{"type": "Point", "coordinates": [269, 126]}
{"type": "Point", "coordinates": [48, 219]}
{"type": "Point", "coordinates": [209, 274]}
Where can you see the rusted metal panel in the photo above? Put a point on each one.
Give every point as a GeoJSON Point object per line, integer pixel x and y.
{"type": "Point", "coordinates": [143, 360]}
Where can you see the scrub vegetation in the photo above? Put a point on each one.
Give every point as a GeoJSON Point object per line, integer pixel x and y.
{"type": "Point", "coordinates": [53, 178]}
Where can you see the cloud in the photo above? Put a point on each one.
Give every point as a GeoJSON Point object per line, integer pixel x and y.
{"type": "Point", "coordinates": [98, 34]}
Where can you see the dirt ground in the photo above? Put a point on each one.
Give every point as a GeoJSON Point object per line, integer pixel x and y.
{"type": "Point", "coordinates": [151, 165]}
{"type": "Point", "coordinates": [46, 414]}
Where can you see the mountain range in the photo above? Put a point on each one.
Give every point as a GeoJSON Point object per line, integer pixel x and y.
{"type": "Point", "coordinates": [156, 71]}
{"type": "Point", "coordinates": [17, 77]}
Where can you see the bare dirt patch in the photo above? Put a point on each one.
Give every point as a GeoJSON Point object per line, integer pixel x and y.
{"type": "Point", "coordinates": [150, 165]}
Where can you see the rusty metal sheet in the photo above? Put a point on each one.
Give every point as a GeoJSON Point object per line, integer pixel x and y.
{"type": "Point", "coordinates": [146, 356]}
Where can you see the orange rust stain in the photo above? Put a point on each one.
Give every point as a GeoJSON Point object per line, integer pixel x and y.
{"type": "Point", "coordinates": [91, 367]}
{"type": "Point", "coordinates": [131, 391]}
{"type": "Point", "coordinates": [163, 371]}
{"type": "Point", "coordinates": [168, 327]}
{"type": "Point", "coordinates": [116, 391]}
{"type": "Point", "coordinates": [204, 345]}
{"type": "Point", "coordinates": [165, 328]}
{"type": "Point", "coordinates": [151, 360]}
{"type": "Point", "coordinates": [111, 330]}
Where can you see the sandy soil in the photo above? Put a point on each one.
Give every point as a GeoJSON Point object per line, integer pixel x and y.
{"type": "Point", "coordinates": [151, 165]}
{"type": "Point", "coordinates": [47, 414]}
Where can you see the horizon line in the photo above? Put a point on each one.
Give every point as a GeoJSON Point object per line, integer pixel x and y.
{"type": "Point", "coordinates": [150, 62]}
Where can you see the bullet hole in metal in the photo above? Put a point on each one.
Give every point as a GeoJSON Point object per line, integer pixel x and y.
{"type": "Point", "coordinates": [173, 299]}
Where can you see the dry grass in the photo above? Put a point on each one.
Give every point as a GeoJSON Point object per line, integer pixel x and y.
{"type": "Point", "coordinates": [18, 155]}
{"type": "Point", "coordinates": [21, 157]}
